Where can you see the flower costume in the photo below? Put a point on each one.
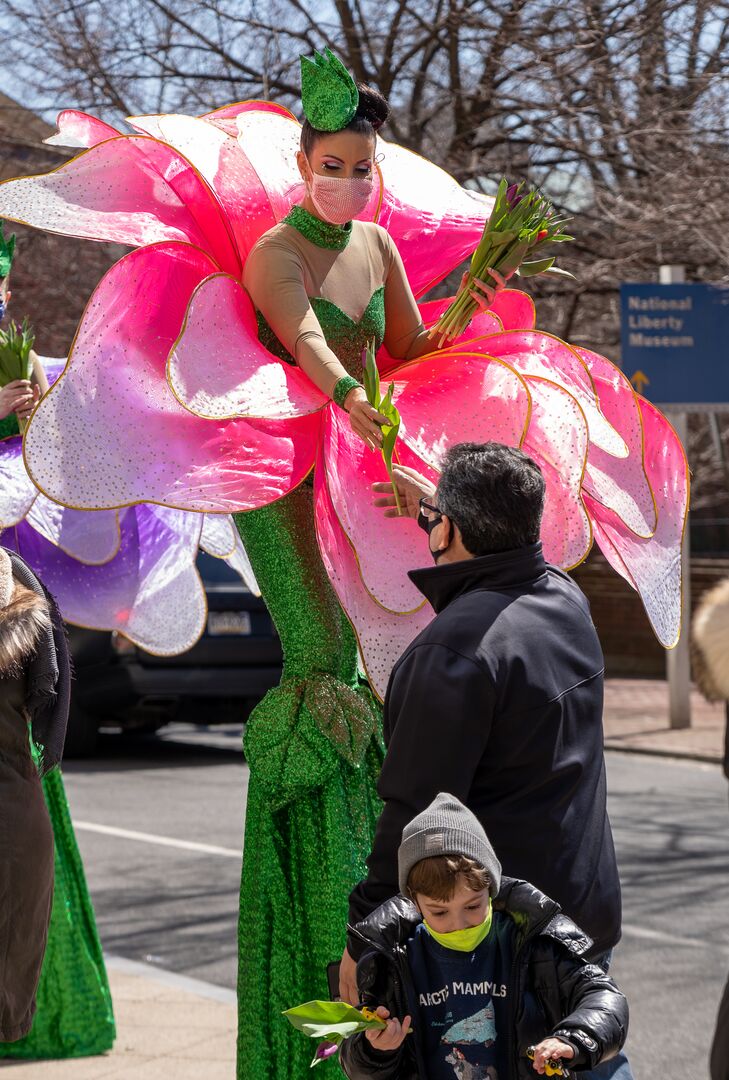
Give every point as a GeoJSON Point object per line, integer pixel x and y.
{"type": "Point", "coordinates": [173, 346]}
{"type": "Point", "coordinates": [133, 571]}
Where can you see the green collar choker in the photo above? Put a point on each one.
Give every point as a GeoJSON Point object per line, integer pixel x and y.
{"type": "Point", "coordinates": [321, 233]}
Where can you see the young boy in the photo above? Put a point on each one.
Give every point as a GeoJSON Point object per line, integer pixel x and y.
{"type": "Point", "coordinates": [473, 970]}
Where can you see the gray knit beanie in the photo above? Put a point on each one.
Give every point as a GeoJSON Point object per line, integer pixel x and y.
{"type": "Point", "coordinates": [447, 827]}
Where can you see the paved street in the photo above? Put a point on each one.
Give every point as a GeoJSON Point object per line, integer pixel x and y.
{"type": "Point", "coordinates": [173, 906]}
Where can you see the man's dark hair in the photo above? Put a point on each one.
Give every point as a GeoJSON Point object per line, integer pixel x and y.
{"type": "Point", "coordinates": [494, 494]}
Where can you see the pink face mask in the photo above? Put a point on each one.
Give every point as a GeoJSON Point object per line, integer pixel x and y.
{"type": "Point", "coordinates": [338, 199]}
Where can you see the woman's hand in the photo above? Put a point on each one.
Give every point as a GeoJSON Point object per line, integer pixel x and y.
{"type": "Point", "coordinates": [484, 292]}
{"type": "Point", "coordinates": [24, 411]}
{"type": "Point", "coordinates": [411, 488]}
{"type": "Point", "coordinates": [17, 397]}
{"type": "Point", "coordinates": [551, 1049]}
{"type": "Point", "coordinates": [364, 420]}
{"type": "Point", "coordinates": [391, 1037]}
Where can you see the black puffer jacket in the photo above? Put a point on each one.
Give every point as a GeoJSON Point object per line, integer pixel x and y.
{"type": "Point", "coordinates": [554, 988]}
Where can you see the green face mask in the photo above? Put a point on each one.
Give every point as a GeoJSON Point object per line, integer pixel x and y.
{"type": "Point", "coordinates": [463, 940]}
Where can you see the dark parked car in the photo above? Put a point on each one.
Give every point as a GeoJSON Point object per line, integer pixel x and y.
{"type": "Point", "coordinates": [231, 667]}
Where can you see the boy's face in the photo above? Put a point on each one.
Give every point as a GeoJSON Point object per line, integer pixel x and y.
{"type": "Point", "coordinates": [465, 908]}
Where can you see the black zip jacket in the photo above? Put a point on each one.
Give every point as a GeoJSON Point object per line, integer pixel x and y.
{"type": "Point", "coordinates": [499, 701]}
{"type": "Point", "coordinates": [554, 989]}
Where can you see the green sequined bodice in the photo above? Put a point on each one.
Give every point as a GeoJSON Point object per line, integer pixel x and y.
{"type": "Point", "coordinates": [345, 336]}
{"type": "Point", "coordinates": [9, 426]}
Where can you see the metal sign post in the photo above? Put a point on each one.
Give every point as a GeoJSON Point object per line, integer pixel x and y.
{"type": "Point", "coordinates": [678, 659]}
{"type": "Point", "coordinates": [675, 351]}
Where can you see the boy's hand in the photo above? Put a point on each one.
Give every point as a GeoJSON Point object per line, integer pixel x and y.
{"type": "Point", "coordinates": [550, 1050]}
{"type": "Point", "coordinates": [348, 979]}
{"type": "Point", "coordinates": [391, 1037]}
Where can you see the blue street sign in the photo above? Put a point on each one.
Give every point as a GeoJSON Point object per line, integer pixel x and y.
{"type": "Point", "coordinates": [675, 342]}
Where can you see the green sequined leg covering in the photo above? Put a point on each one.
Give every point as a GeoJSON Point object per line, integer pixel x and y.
{"type": "Point", "coordinates": [74, 1016]}
{"type": "Point", "coordinates": [314, 748]}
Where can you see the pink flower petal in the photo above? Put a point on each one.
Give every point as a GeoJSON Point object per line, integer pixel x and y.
{"type": "Point", "coordinates": [386, 548]}
{"type": "Point", "coordinates": [220, 160]}
{"type": "Point", "coordinates": [130, 190]}
{"type": "Point", "coordinates": [483, 322]}
{"type": "Point", "coordinates": [239, 377]}
{"type": "Point", "coordinates": [79, 129]}
{"type": "Point", "coordinates": [425, 210]}
{"type": "Point", "coordinates": [226, 112]}
{"type": "Point", "coordinates": [652, 566]}
{"type": "Point", "coordinates": [557, 440]}
{"type": "Point", "coordinates": [455, 397]}
{"type": "Point", "coordinates": [515, 309]}
{"type": "Point", "coordinates": [110, 432]}
{"type": "Point", "coordinates": [382, 635]}
{"type": "Point", "coordinates": [620, 485]}
{"type": "Point", "coordinates": [545, 356]}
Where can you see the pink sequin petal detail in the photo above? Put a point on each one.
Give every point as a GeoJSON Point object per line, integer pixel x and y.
{"type": "Point", "coordinates": [239, 378]}
{"type": "Point", "coordinates": [78, 129]}
{"type": "Point", "coordinates": [382, 635]}
{"type": "Point", "coordinates": [620, 485]}
{"type": "Point", "coordinates": [385, 548]}
{"type": "Point", "coordinates": [653, 566]}
{"type": "Point", "coordinates": [129, 190]}
{"type": "Point", "coordinates": [535, 353]}
{"type": "Point", "coordinates": [110, 432]}
{"type": "Point", "coordinates": [456, 397]}
{"type": "Point", "coordinates": [426, 210]}
{"type": "Point", "coordinates": [557, 441]}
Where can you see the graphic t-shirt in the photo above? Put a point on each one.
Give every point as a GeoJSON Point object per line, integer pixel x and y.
{"type": "Point", "coordinates": [461, 1004]}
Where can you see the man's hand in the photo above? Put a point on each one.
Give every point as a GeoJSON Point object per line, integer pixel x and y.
{"type": "Point", "coordinates": [348, 979]}
{"type": "Point", "coordinates": [411, 488]}
{"type": "Point", "coordinates": [550, 1049]}
{"type": "Point", "coordinates": [17, 397]}
{"type": "Point", "coordinates": [391, 1037]}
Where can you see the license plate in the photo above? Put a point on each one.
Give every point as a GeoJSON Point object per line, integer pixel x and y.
{"type": "Point", "coordinates": [229, 622]}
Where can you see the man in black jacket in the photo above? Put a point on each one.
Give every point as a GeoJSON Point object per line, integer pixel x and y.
{"type": "Point", "coordinates": [499, 700]}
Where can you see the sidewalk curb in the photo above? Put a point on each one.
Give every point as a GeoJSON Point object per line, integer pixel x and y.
{"type": "Point", "coordinates": [199, 987]}
{"type": "Point", "coordinates": [658, 751]}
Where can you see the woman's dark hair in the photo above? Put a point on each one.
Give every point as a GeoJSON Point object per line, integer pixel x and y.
{"type": "Point", "coordinates": [494, 494]}
{"type": "Point", "coordinates": [372, 112]}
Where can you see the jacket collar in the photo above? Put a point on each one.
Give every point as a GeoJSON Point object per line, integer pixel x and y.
{"type": "Point", "coordinates": [505, 570]}
{"type": "Point", "coordinates": [394, 922]}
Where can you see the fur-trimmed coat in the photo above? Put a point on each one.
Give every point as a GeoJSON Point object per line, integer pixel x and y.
{"type": "Point", "coordinates": [710, 650]}
{"type": "Point", "coordinates": [26, 837]}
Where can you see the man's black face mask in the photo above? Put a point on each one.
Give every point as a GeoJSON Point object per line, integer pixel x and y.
{"type": "Point", "coordinates": [429, 523]}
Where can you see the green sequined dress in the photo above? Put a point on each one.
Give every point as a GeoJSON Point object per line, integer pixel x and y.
{"type": "Point", "coordinates": [314, 748]}
{"type": "Point", "coordinates": [74, 1015]}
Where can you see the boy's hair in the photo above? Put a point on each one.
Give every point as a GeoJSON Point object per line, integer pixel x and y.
{"type": "Point", "coordinates": [438, 875]}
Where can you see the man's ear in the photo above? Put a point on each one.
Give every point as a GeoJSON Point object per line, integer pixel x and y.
{"type": "Point", "coordinates": [448, 529]}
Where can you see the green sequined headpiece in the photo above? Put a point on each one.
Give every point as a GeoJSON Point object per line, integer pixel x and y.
{"type": "Point", "coordinates": [7, 249]}
{"type": "Point", "coordinates": [329, 95]}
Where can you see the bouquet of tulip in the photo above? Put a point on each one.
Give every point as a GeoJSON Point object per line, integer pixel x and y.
{"type": "Point", "coordinates": [385, 406]}
{"type": "Point", "coordinates": [333, 1022]}
{"type": "Point", "coordinates": [16, 345]}
{"type": "Point", "coordinates": [521, 224]}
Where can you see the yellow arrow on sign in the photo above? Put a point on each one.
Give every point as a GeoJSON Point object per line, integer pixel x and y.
{"type": "Point", "coordinates": [640, 380]}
